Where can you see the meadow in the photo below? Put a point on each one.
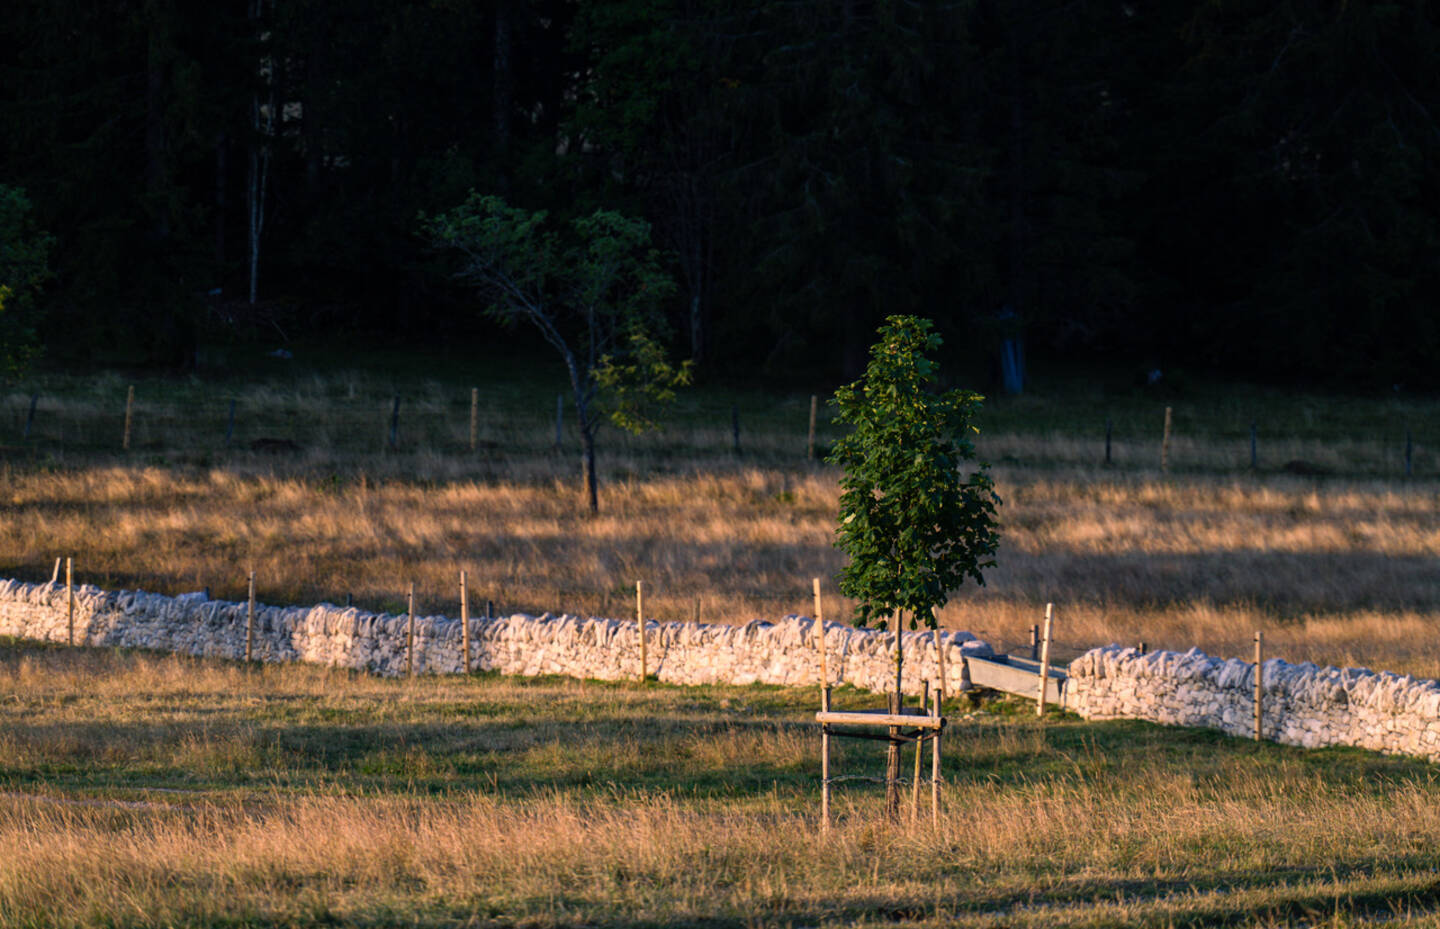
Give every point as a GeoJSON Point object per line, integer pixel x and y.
{"type": "Point", "coordinates": [151, 790]}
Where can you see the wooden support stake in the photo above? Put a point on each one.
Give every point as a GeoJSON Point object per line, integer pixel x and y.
{"type": "Point", "coordinates": [489, 609]}
{"type": "Point", "coordinates": [474, 418]}
{"type": "Point", "coordinates": [1165, 445]}
{"type": "Point", "coordinates": [825, 761]}
{"type": "Point", "coordinates": [70, 598]}
{"type": "Point", "coordinates": [464, 623]}
{"type": "Point", "coordinates": [915, 778]}
{"type": "Point", "coordinates": [1109, 426]}
{"type": "Point", "coordinates": [735, 427]}
{"type": "Point", "coordinates": [640, 624]}
{"type": "Point", "coordinates": [820, 635]}
{"type": "Point", "coordinates": [935, 711]}
{"type": "Point", "coordinates": [250, 622]}
{"type": "Point", "coordinates": [1254, 453]}
{"type": "Point", "coordinates": [1143, 648]}
{"type": "Point", "coordinates": [944, 684]}
{"type": "Point", "coordinates": [129, 416]}
{"type": "Point", "coordinates": [892, 761]}
{"type": "Point", "coordinates": [410, 634]}
{"type": "Point", "coordinates": [1259, 686]}
{"type": "Point", "coordinates": [1034, 642]}
{"type": "Point", "coordinates": [1044, 660]}
{"type": "Point", "coordinates": [810, 444]}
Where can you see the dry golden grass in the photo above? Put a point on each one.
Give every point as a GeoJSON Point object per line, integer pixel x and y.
{"type": "Point", "coordinates": [1335, 571]}
{"type": "Point", "coordinates": [144, 790]}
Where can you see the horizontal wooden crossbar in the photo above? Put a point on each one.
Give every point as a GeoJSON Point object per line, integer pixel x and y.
{"type": "Point", "coordinates": [862, 718]}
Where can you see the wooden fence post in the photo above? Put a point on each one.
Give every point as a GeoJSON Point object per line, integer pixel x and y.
{"type": "Point", "coordinates": [810, 444]}
{"type": "Point", "coordinates": [820, 636]}
{"type": "Point", "coordinates": [1044, 661]}
{"type": "Point", "coordinates": [395, 425]}
{"type": "Point", "coordinates": [944, 685]}
{"type": "Point", "coordinates": [1034, 642]}
{"type": "Point", "coordinates": [464, 623]}
{"type": "Point", "coordinates": [129, 416]}
{"type": "Point", "coordinates": [640, 624]}
{"type": "Point", "coordinates": [1259, 686]}
{"type": "Point", "coordinates": [1254, 453]}
{"type": "Point", "coordinates": [1165, 445]}
{"type": "Point", "coordinates": [1409, 452]}
{"type": "Point", "coordinates": [474, 417]}
{"type": "Point", "coordinates": [70, 598]}
{"type": "Point", "coordinates": [1108, 427]}
{"type": "Point", "coordinates": [250, 622]}
{"type": "Point", "coordinates": [735, 427]}
{"type": "Point", "coordinates": [230, 423]}
{"type": "Point", "coordinates": [410, 634]}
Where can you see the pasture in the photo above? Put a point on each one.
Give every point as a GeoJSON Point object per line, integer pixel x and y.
{"type": "Point", "coordinates": [151, 790]}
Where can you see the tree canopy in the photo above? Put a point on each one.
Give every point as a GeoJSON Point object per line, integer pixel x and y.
{"type": "Point", "coordinates": [1251, 186]}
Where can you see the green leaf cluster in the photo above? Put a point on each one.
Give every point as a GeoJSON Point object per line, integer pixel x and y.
{"type": "Point", "coordinates": [914, 524]}
{"type": "Point", "coordinates": [641, 383]}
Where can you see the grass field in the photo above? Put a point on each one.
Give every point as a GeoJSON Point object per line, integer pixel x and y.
{"type": "Point", "coordinates": [141, 790]}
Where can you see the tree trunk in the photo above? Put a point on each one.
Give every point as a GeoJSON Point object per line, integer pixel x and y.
{"type": "Point", "coordinates": [592, 490]}
{"type": "Point", "coordinates": [892, 751]}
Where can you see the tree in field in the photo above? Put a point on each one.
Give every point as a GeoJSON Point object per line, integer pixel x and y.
{"type": "Point", "coordinates": [24, 266]}
{"type": "Point", "coordinates": [593, 289]}
{"type": "Point", "coordinates": [914, 525]}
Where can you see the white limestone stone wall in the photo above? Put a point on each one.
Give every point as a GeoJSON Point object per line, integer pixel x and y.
{"type": "Point", "coordinates": [1302, 704]}
{"type": "Point", "coordinates": [683, 653]}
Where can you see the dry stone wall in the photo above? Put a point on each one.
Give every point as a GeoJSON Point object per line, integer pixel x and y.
{"type": "Point", "coordinates": [684, 653]}
{"type": "Point", "coordinates": [1303, 704]}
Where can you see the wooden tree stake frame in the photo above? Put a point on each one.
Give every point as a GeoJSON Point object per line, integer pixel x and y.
{"type": "Point", "coordinates": [904, 727]}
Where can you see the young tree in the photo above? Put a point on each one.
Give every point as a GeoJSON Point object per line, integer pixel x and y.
{"type": "Point", "coordinates": [914, 525]}
{"type": "Point", "coordinates": [593, 290]}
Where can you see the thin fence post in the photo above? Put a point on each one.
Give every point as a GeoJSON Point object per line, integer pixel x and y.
{"type": "Point", "coordinates": [1165, 445]}
{"type": "Point", "coordinates": [735, 428]}
{"type": "Point", "coordinates": [810, 443]}
{"type": "Point", "coordinates": [474, 418]}
{"type": "Point", "coordinates": [230, 423]}
{"type": "Point", "coordinates": [820, 635]}
{"type": "Point", "coordinates": [30, 417]}
{"type": "Point", "coordinates": [395, 425]}
{"type": "Point", "coordinates": [1034, 642]}
{"type": "Point", "coordinates": [1109, 427]}
{"type": "Point", "coordinates": [464, 623]}
{"type": "Point", "coordinates": [640, 625]}
{"type": "Point", "coordinates": [489, 609]}
{"type": "Point", "coordinates": [1254, 452]}
{"type": "Point", "coordinates": [250, 621]}
{"type": "Point", "coordinates": [129, 416]}
{"type": "Point", "coordinates": [1409, 452]}
{"type": "Point", "coordinates": [70, 598]}
{"type": "Point", "coordinates": [1044, 661]}
{"type": "Point", "coordinates": [1259, 685]}
{"type": "Point", "coordinates": [410, 634]}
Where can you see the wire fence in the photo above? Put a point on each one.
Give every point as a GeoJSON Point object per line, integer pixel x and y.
{"type": "Point", "coordinates": [499, 427]}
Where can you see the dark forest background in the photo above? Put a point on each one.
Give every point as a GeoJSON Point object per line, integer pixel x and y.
{"type": "Point", "coordinates": [1249, 186]}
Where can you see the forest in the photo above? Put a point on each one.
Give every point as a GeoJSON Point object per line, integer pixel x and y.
{"type": "Point", "coordinates": [1244, 186]}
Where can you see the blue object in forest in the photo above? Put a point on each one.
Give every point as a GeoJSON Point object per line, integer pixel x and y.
{"type": "Point", "coordinates": [1012, 366]}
